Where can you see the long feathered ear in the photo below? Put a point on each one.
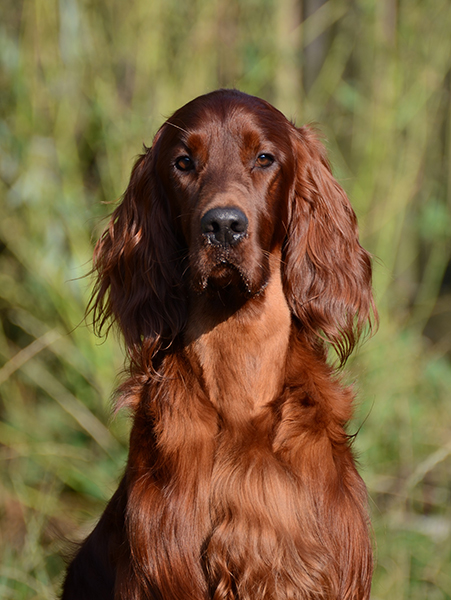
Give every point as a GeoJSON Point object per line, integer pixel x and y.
{"type": "Point", "coordinates": [327, 274]}
{"type": "Point", "coordinates": [139, 267]}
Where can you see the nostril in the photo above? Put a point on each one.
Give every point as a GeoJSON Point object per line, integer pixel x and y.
{"type": "Point", "coordinates": [238, 226]}
{"type": "Point", "coordinates": [224, 225]}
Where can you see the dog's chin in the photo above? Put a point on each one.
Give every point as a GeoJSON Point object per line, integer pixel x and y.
{"type": "Point", "coordinates": [227, 279]}
{"type": "Point", "coordinates": [226, 276]}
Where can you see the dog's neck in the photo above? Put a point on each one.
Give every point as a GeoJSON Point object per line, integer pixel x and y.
{"type": "Point", "coordinates": [241, 358]}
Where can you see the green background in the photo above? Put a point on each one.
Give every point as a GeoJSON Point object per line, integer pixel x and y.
{"type": "Point", "coordinates": [84, 84]}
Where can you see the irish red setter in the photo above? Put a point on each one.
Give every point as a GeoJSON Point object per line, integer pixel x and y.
{"type": "Point", "coordinates": [231, 265]}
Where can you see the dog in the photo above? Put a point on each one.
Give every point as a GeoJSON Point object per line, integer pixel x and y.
{"type": "Point", "coordinates": [231, 266]}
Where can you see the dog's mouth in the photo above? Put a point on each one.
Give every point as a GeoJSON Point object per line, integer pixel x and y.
{"type": "Point", "coordinates": [227, 275]}
{"type": "Point", "coordinates": [224, 275]}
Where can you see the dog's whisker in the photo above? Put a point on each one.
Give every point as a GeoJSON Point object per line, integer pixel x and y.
{"type": "Point", "coordinates": [177, 127]}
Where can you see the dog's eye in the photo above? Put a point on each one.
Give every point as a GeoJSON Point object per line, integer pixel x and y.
{"type": "Point", "coordinates": [184, 163]}
{"type": "Point", "coordinates": [264, 160]}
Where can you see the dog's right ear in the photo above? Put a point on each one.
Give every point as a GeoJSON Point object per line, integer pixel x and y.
{"type": "Point", "coordinates": [138, 262]}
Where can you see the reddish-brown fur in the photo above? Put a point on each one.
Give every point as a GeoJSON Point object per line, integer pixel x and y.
{"type": "Point", "coordinates": [240, 482]}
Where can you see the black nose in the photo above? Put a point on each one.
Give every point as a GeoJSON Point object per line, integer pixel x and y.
{"type": "Point", "coordinates": [224, 225]}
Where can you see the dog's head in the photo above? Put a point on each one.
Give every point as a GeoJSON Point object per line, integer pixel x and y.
{"type": "Point", "coordinates": [228, 182]}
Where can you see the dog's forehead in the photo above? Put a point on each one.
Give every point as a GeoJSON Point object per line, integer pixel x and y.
{"type": "Point", "coordinates": [212, 126]}
{"type": "Point", "coordinates": [228, 113]}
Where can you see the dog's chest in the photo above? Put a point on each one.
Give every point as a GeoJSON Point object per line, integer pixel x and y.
{"type": "Point", "coordinates": [242, 359]}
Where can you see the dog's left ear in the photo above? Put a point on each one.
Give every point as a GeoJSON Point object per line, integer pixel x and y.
{"type": "Point", "coordinates": [326, 273]}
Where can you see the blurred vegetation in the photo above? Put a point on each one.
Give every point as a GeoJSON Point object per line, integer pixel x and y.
{"type": "Point", "coordinates": [83, 85]}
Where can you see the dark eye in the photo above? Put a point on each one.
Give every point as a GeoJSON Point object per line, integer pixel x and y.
{"type": "Point", "coordinates": [264, 160]}
{"type": "Point", "coordinates": [184, 163]}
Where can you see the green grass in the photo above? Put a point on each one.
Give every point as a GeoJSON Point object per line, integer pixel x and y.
{"type": "Point", "coordinates": [83, 86]}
